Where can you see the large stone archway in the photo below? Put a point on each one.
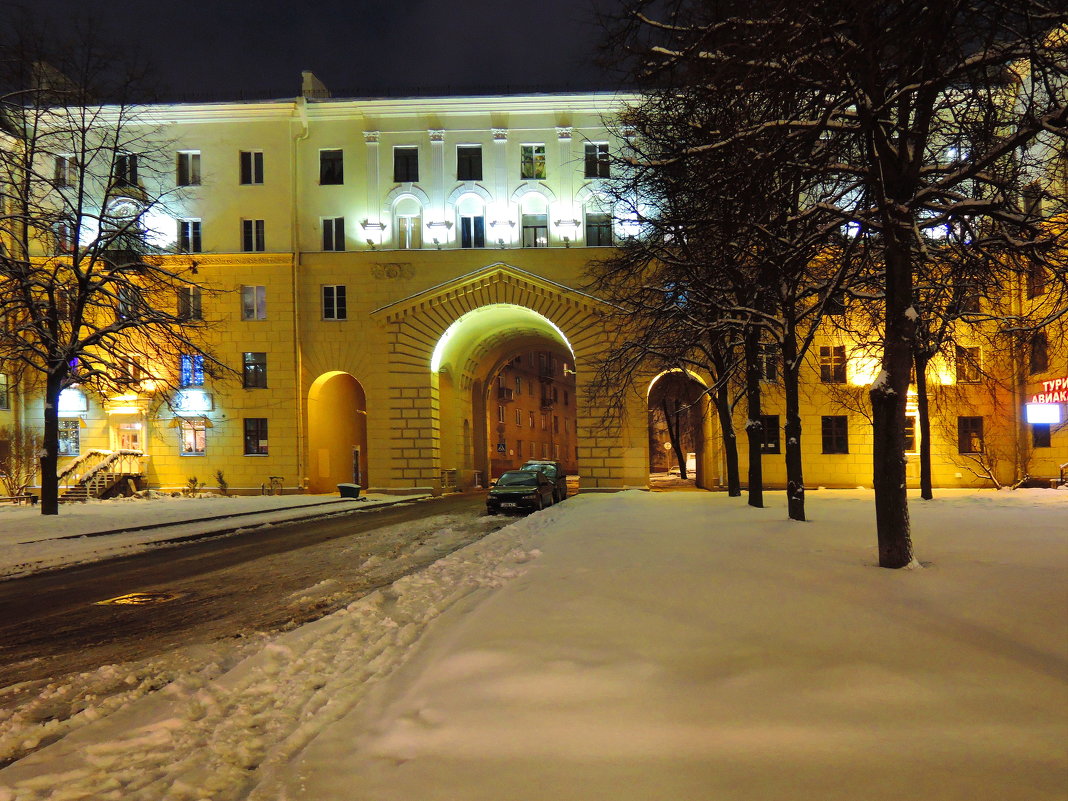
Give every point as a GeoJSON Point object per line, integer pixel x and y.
{"type": "Point", "coordinates": [691, 391]}
{"type": "Point", "coordinates": [444, 344]}
{"type": "Point", "coordinates": [337, 432]}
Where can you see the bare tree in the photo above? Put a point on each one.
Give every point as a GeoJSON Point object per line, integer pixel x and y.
{"type": "Point", "coordinates": [90, 296]}
{"type": "Point", "coordinates": [20, 448]}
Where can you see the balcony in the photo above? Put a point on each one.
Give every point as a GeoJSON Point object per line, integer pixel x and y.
{"type": "Point", "coordinates": [505, 395]}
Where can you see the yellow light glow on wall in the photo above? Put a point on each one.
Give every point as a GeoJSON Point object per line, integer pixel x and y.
{"type": "Point", "coordinates": [863, 369]}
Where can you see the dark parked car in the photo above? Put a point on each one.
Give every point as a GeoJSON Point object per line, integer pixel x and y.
{"type": "Point", "coordinates": [520, 491]}
{"type": "Point", "coordinates": [556, 474]}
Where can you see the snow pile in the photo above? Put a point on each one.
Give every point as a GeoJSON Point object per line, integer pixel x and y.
{"type": "Point", "coordinates": [638, 646]}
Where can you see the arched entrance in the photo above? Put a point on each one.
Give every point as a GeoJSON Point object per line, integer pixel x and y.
{"type": "Point", "coordinates": [337, 432]}
{"type": "Point", "coordinates": [680, 431]}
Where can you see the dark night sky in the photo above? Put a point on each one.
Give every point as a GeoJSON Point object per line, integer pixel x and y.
{"type": "Point", "coordinates": [238, 48]}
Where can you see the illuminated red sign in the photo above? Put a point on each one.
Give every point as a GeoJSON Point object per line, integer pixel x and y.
{"type": "Point", "coordinates": [1053, 391]}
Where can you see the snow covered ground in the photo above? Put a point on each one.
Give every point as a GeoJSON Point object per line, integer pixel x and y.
{"type": "Point", "coordinates": [31, 542]}
{"type": "Point", "coordinates": [635, 646]}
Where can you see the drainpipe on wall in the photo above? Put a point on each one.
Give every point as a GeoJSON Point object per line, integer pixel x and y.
{"type": "Point", "coordinates": [1017, 388]}
{"type": "Point", "coordinates": [302, 112]}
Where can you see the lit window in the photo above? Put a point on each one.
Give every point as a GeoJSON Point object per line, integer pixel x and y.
{"type": "Point", "coordinates": [532, 162]}
{"type": "Point", "coordinates": [331, 167]}
{"type": "Point", "coordinates": [535, 230]}
{"type": "Point", "coordinates": [188, 168]}
{"type": "Point", "coordinates": [835, 433]}
{"type": "Point", "coordinates": [967, 365]}
{"type": "Point", "coordinates": [597, 165]}
{"type": "Point", "coordinates": [469, 163]}
{"type": "Point", "coordinates": [253, 303]}
{"type": "Point", "coordinates": [255, 436]}
{"type": "Point", "coordinates": [190, 370]}
{"type": "Point", "coordinates": [408, 221]}
{"type": "Point", "coordinates": [193, 437]}
{"type": "Point", "coordinates": [189, 236]}
{"type": "Point", "coordinates": [333, 233]}
{"type": "Point", "coordinates": [251, 167]}
{"type": "Point", "coordinates": [598, 229]}
{"type": "Point", "coordinates": [189, 303]}
{"type": "Point", "coordinates": [969, 435]}
{"type": "Point", "coordinates": [252, 238]}
{"type": "Point", "coordinates": [69, 437]}
{"type": "Point", "coordinates": [405, 164]}
{"type": "Point", "coordinates": [334, 307]}
{"type": "Point", "coordinates": [254, 371]}
{"type": "Point", "coordinates": [833, 364]}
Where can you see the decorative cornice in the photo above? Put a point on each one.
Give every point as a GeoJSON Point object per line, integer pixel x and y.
{"type": "Point", "coordinates": [229, 259]}
{"type": "Point", "coordinates": [393, 270]}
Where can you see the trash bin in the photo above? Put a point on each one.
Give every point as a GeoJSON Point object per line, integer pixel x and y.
{"type": "Point", "coordinates": [349, 490]}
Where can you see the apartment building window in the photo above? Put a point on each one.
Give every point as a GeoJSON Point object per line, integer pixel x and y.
{"type": "Point", "coordinates": [532, 162]}
{"type": "Point", "coordinates": [331, 167]}
{"type": "Point", "coordinates": [188, 168]}
{"type": "Point", "coordinates": [1036, 280]}
{"type": "Point", "coordinates": [251, 167]}
{"type": "Point", "coordinates": [769, 428]}
{"type": "Point", "coordinates": [252, 238]}
{"type": "Point", "coordinates": [255, 436]}
{"type": "Point", "coordinates": [518, 385]}
{"type": "Point", "coordinates": [500, 413]}
{"type": "Point", "coordinates": [966, 299]}
{"type": "Point", "coordinates": [535, 230]}
{"type": "Point", "coordinates": [833, 364]}
{"type": "Point", "coordinates": [531, 452]}
{"type": "Point", "coordinates": [598, 229]}
{"type": "Point", "coordinates": [910, 434]}
{"type": "Point", "coordinates": [473, 232]}
{"type": "Point", "coordinates": [469, 163]}
{"type": "Point", "coordinates": [556, 424]}
{"type": "Point", "coordinates": [254, 371]}
{"type": "Point", "coordinates": [190, 370]}
{"type": "Point", "coordinates": [967, 365]}
{"type": "Point", "coordinates": [545, 450]}
{"type": "Point", "coordinates": [835, 433]}
{"type": "Point", "coordinates": [969, 435]}
{"type": "Point", "coordinates": [334, 307]}
{"type": "Point", "coordinates": [405, 165]}
{"type": "Point", "coordinates": [597, 164]}
{"type": "Point", "coordinates": [333, 233]}
{"type": "Point", "coordinates": [519, 448]}
{"type": "Point", "coordinates": [253, 303]}
{"type": "Point", "coordinates": [530, 419]}
{"type": "Point", "coordinates": [129, 300]}
{"type": "Point", "coordinates": [190, 306]}
{"type": "Point", "coordinates": [193, 437]}
{"type": "Point", "coordinates": [1040, 435]}
{"type": "Point", "coordinates": [768, 366]}
{"type": "Point", "coordinates": [62, 238]}
{"type": "Point", "coordinates": [1038, 361]}
{"type": "Point", "coordinates": [126, 169]}
{"type": "Point", "coordinates": [5, 393]}
{"type": "Point", "coordinates": [189, 236]}
{"type": "Point", "coordinates": [836, 304]}
{"type": "Point", "coordinates": [70, 437]}
{"type": "Point", "coordinates": [519, 417]}
{"type": "Point", "coordinates": [65, 173]}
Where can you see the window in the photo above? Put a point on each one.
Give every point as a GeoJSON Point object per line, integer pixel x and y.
{"type": "Point", "coordinates": [62, 238]}
{"type": "Point", "coordinates": [1036, 280]}
{"type": "Point", "coordinates": [5, 393]}
{"type": "Point", "coordinates": [254, 371]}
{"type": "Point", "coordinates": [193, 437]}
{"type": "Point", "coordinates": [473, 232]}
{"type": "Point", "coordinates": [252, 240]}
{"type": "Point", "coordinates": [500, 414]}
{"type": "Point", "coordinates": [769, 427]}
{"type": "Point", "coordinates": [832, 364]}
{"type": "Point", "coordinates": [333, 233]}
{"type": "Point", "coordinates": [189, 236]}
{"type": "Point", "coordinates": [966, 299]}
{"type": "Point", "coordinates": [190, 370]}
{"type": "Point", "coordinates": [535, 230]}
{"type": "Point", "coordinates": [331, 167]}
{"type": "Point", "coordinates": [598, 229]}
{"type": "Point", "coordinates": [469, 166]}
{"type": "Point", "coordinates": [545, 450]}
{"type": "Point", "coordinates": [408, 222]}
{"type": "Point", "coordinates": [519, 417]}
{"type": "Point", "coordinates": [334, 302]}
{"type": "Point", "coordinates": [1040, 435]}
{"type": "Point", "coordinates": [405, 164]}
{"type": "Point", "coordinates": [66, 170]}
{"type": "Point", "coordinates": [253, 303]}
{"type": "Point", "coordinates": [835, 430]}
{"type": "Point", "coordinates": [597, 165]}
{"type": "Point", "coordinates": [565, 398]}
{"type": "Point", "coordinates": [189, 305]}
{"type": "Point", "coordinates": [768, 358]}
{"type": "Point", "coordinates": [532, 162]}
{"type": "Point", "coordinates": [70, 437]}
{"type": "Point", "coordinates": [126, 169]}
{"type": "Point", "coordinates": [969, 435]}
{"type": "Point", "coordinates": [251, 167]}
{"type": "Point", "coordinates": [1039, 356]}
{"type": "Point", "coordinates": [836, 304]}
{"type": "Point", "coordinates": [255, 436]}
{"type": "Point", "coordinates": [188, 168]}
{"type": "Point", "coordinates": [545, 422]}
{"type": "Point", "coordinates": [556, 424]}
{"type": "Point", "coordinates": [967, 365]}
{"type": "Point", "coordinates": [64, 303]}
{"type": "Point", "coordinates": [910, 434]}
{"type": "Point", "coordinates": [518, 385]}
{"type": "Point", "coordinates": [519, 448]}
{"type": "Point", "coordinates": [129, 302]}
{"type": "Point", "coordinates": [531, 452]}
{"type": "Point", "coordinates": [530, 417]}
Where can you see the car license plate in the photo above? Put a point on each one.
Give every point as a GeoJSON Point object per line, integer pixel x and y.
{"type": "Point", "coordinates": [508, 505]}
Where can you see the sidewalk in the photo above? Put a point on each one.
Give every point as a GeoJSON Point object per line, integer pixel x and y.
{"type": "Point", "coordinates": [84, 532]}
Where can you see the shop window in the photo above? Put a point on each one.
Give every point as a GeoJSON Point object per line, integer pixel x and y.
{"type": "Point", "coordinates": [967, 365]}
{"type": "Point", "coordinates": [190, 370]}
{"type": "Point", "coordinates": [188, 168]}
{"type": "Point", "coordinates": [334, 233]}
{"type": "Point", "coordinates": [833, 364]}
{"type": "Point", "coordinates": [769, 426]}
{"type": "Point", "coordinates": [331, 168]}
{"type": "Point", "coordinates": [532, 162]}
{"type": "Point", "coordinates": [193, 437]}
{"type": "Point", "coordinates": [969, 435]}
{"type": "Point", "coordinates": [334, 303]}
{"type": "Point", "coordinates": [255, 436]}
{"type": "Point", "coordinates": [253, 303]}
{"type": "Point", "coordinates": [835, 433]}
{"type": "Point", "coordinates": [405, 165]}
{"type": "Point", "coordinates": [190, 306]}
{"type": "Point", "coordinates": [254, 371]}
{"type": "Point", "coordinates": [70, 437]}
{"type": "Point", "coordinates": [597, 164]}
{"type": "Point", "coordinates": [251, 167]}
{"type": "Point", "coordinates": [1041, 435]}
{"type": "Point", "coordinates": [469, 164]}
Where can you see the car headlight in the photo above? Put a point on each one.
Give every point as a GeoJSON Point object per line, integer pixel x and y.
{"type": "Point", "coordinates": [532, 497]}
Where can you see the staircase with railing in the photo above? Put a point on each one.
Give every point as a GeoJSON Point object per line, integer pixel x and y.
{"type": "Point", "coordinates": [101, 474]}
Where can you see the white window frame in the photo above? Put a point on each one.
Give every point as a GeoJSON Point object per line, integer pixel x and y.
{"type": "Point", "coordinates": [197, 429]}
{"type": "Point", "coordinates": [333, 234]}
{"type": "Point", "coordinates": [187, 166]}
{"type": "Point", "coordinates": [331, 308]}
{"type": "Point", "coordinates": [254, 298]}
{"type": "Point", "coordinates": [190, 231]}
{"type": "Point", "coordinates": [255, 167]}
{"type": "Point", "coordinates": [253, 236]}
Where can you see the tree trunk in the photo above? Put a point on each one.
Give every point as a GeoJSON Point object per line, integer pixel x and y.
{"type": "Point", "coordinates": [50, 447]}
{"type": "Point", "coordinates": [730, 441]}
{"type": "Point", "coordinates": [754, 428]}
{"type": "Point", "coordinates": [924, 424]}
{"type": "Point", "coordinates": [795, 479]}
{"type": "Point", "coordinates": [672, 420]}
{"type": "Point", "coordinates": [888, 396]}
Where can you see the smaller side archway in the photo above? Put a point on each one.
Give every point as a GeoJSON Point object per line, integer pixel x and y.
{"type": "Point", "coordinates": [337, 432]}
{"type": "Point", "coordinates": [680, 427]}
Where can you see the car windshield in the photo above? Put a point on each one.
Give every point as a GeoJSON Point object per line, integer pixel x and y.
{"type": "Point", "coordinates": [517, 480]}
{"type": "Point", "coordinates": [548, 469]}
